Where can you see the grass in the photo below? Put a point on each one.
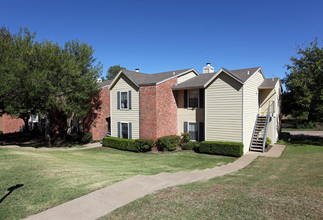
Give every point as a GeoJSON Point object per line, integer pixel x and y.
{"type": "Point", "coordinates": [289, 187]}
{"type": "Point", "coordinates": [50, 178]}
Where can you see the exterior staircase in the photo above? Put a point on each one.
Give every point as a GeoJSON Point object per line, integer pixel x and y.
{"type": "Point", "coordinates": [259, 135]}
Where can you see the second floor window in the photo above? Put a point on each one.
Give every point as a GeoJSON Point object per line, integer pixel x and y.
{"type": "Point", "coordinates": [124, 100]}
{"type": "Point", "coordinates": [193, 98]}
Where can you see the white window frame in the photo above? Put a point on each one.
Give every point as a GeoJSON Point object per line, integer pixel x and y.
{"type": "Point", "coordinates": [188, 99]}
{"type": "Point", "coordinates": [198, 128]}
{"type": "Point", "coordinates": [124, 122]}
{"type": "Point", "coordinates": [127, 100]}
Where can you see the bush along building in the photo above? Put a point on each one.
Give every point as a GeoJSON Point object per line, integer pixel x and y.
{"type": "Point", "coordinates": [240, 106]}
{"type": "Point", "coordinates": [228, 105]}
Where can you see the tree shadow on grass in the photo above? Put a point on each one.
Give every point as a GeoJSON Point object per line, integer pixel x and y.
{"type": "Point", "coordinates": [306, 141]}
{"type": "Point", "coordinates": [11, 189]}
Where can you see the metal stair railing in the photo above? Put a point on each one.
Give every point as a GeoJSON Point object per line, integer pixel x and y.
{"type": "Point", "coordinates": [266, 127]}
{"type": "Point", "coordinates": [253, 133]}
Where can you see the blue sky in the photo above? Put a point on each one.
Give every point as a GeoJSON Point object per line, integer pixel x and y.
{"type": "Point", "coordinates": [158, 36]}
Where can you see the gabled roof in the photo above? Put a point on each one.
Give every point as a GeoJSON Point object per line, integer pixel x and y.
{"type": "Point", "coordinates": [195, 82]}
{"type": "Point", "coordinates": [105, 83]}
{"type": "Point", "coordinates": [245, 74]}
{"type": "Point", "coordinates": [269, 83]}
{"type": "Point", "coordinates": [203, 80]}
{"type": "Point", "coordinates": [145, 79]}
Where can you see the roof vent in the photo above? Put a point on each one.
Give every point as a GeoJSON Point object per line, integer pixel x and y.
{"type": "Point", "coordinates": [208, 68]}
{"type": "Point", "coordinates": [272, 79]}
{"type": "Point", "coordinates": [137, 69]}
{"type": "Point", "coordinates": [248, 72]}
{"type": "Point", "coordinates": [173, 73]}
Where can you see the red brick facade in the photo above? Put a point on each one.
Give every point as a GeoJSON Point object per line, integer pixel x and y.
{"type": "Point", "coordinates": [158, 110]}
{"type": "Point", "coordinates": [96, 121]}
{"type": "Point", "coordinates": [147, 112]}
{"type": "Point", "coordinates": [10, 125]}
{"type": "Point", "coordinates": [166, 109]}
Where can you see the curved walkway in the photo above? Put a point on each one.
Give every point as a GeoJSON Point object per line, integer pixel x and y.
{"type": "Point", "coordinates": [87, 146]}
{"type": "Point", "coordinates": [103, 201]}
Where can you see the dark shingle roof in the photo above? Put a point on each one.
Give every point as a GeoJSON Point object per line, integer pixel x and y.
{"type": "Point", "coordinates": [195, 82]}
{"type": "Point", "coordinates": [105, 83]}
{"type": "Point", "coordinates": [151, 79]}
{"type": "Point", "coordinates": [200, 80]}
{"type": "Point", "coordinates": [268, 83]}
{"type": "Point", "coordinates": [242, 74]}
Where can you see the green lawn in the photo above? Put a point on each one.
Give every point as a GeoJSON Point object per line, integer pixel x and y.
{"type": "Point", "coordinates": [289, 187]}
{"type": "Point", "coordinates": [50, 178]}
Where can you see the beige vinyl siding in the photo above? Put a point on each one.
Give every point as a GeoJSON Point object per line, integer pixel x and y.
{"type": "Point", "coordinates": [185, 77]}
{"type": "Point", "coordinates": [251, 106]}
{"type": "Point", "coordinates": [223, 110]}
{"type": "Point", "coordinates": [189, 115]}
{"type": "Point", "coordinates": [184, 114]}
{"type": "Point", "coordinates": [131, 115]}
{"type": "Point", "coordinates": [266, 97]}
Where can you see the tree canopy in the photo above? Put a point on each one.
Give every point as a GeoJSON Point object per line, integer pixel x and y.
{"type": "Point", "coordinates": [37, 77]}
{"type": "Point", "coordinates": [304, 83]}
{"type": "Point", "coordinates": [113, 71]}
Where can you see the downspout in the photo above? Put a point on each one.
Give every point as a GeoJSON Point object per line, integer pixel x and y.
{"type": "Point", "coordinates": [242, 121]}
{"type": "Point", "coordinates": [273, 140]}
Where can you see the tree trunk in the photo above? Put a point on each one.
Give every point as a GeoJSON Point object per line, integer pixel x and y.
{"type": "Point", "coordinates": [48, 138]}
{"type": "Point", "coordinates": [26, 119]}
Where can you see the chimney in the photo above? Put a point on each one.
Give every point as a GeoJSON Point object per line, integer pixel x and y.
{"type": "Point", "coordinates": [98, 80]}
{"type": "Point", "coordinates": [137, 69]}
{"type": "Point", "coordinates": [208, 68]}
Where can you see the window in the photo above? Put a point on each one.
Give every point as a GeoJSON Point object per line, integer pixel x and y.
{"type": "Point", "coordinates": [124, 100]}
{"type": "Point", "coordinates": [193, 98]}
{"type": "Point", "coordinates": [124, 130]}
{"type": "Point", "coordinates": [193, 130]}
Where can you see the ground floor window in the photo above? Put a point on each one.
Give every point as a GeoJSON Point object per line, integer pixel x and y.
{"type": "Point", "coordinates": [193, 129]}
{"type": "Point", "coordinates": [125, 130]}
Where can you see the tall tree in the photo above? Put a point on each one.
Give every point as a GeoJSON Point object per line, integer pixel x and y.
{"type": "Point", "coordinates": [113, 71]}
{"type": "Point", "coordinates": [42, 77]}
{"type": "Point", "coordinates": [304, 83]}
{"type": "Point", "coordinates": [17, 62]}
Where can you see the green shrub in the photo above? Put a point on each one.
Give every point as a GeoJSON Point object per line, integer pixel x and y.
{"type": "Point", "coordinates": [73, 138]}
{"type": "Point", "coordinates": [120, 143]}
{"type": "Point", "coordinates": [144, 145]}
{"type": "Point", "coordinates": [192, 145]}
{"type": "Point", "coordinates": [86, 138]}
{"type": "Point", "coordinates": [139, 145]}
{"type": "Point", "coordinates": [186, 137]}
{"type": "Point", "coordinates": [221, 148]}
{"type": "Point", "coordinates": [268, 141]}
{"type": "Point", "coordinates": [168, 143]}
{"type": "Point", "coordinates": [301, 124]}
{"type": "Point", "coordinates": [1, 132]}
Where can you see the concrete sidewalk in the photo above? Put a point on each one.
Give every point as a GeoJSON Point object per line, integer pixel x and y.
{"type": "Point", "coordinates": [87, 146]}
{"type": "Point", "coordinates": [103, 201]}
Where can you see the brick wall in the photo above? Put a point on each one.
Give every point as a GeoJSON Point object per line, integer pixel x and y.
{"type": "Point", "coordinates": [96, 122]}
{"type": "Point", "coordinates": [158, 110]}
{"type": "Point", "coordinates": [147, 112]}
{"type": "Point", "coordinates": [10, 125]}
{"type": "Point", "coordinates": [166, 109]}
